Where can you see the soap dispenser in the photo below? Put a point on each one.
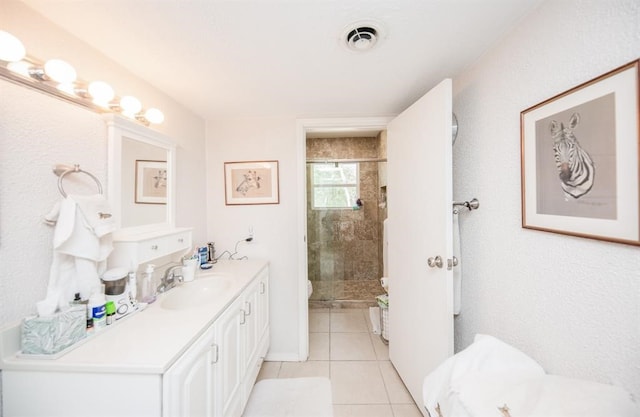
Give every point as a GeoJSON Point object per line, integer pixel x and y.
{"type": "Point", "coordinates": [148, 289]}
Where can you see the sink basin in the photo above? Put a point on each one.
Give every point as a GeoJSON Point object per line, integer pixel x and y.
{"type": "Point", "coordinates": [196, 293]}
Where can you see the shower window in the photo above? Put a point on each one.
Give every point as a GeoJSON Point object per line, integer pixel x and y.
{"type": "Point", "coordinates": [335, 185]}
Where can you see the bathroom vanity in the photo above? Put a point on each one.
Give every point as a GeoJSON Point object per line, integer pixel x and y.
{"type": "Point", "coordinates": [196, 351]}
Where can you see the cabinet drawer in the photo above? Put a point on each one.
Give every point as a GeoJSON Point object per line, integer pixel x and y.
{"type": "Point", "coordinates": [179, 242]}
{"type": "Point", "coordinates": [152, 249]}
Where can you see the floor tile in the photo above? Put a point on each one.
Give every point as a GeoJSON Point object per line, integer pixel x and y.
{"type": "Point", "coordinates": [348, 321]}
{"type": "Point", "coordinates": [304, 369]}
{"type": "Point", "coordinates": [405, 410]}
{"type": "Point", "coordinates": [318, 322]}
{"type": "Point", "coordinates": [381, 348]}
{"type": "Point", "coordinates": [343, 347]}
{"type": "Point", "coordinates": [269, 370]}
{"type": "Point", "coordinates": [352, 347]}
{"type": "Point", "coordinates": [368, 410]}
{"type": "Point", "coordinates": [357, 382]}
{"type": "Point", "coordinates": [318, 346]}
{"type": "Point", "coordinates": [396, 390]}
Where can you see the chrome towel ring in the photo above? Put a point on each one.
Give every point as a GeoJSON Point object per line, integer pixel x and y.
{"type": "Point", "coordinates": [62, 171]}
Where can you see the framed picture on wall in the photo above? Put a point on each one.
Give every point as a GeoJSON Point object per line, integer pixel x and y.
{"type": "Point", "coordinates": [151, 182]}
{"type": "Point", "coordinates": [579, 160]}
{"type": "Point", "coordinates": [252, 182]}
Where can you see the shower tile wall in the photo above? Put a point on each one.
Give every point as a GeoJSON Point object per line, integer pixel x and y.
{"type": "Point", "coordinates": [344, 246]}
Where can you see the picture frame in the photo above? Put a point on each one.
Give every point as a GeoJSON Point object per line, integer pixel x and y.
{"type": "Point", "coordinates": [579, 160]}
{"type": "Point", "coordinates": [151, 182]}
{"type": "Point", "coordinates": [251, 182]}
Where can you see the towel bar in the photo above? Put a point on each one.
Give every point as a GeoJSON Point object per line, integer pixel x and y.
{"type": "Point", "coordinates": [62, 170]}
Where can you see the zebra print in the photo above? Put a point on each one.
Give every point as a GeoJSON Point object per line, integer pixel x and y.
{"type": "Point", "coordinates": [575, 167]}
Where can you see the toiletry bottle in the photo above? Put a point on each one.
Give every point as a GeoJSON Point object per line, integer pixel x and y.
{"type": "Point", "coordinates": [133, 289]}
{"type": "Point", "coordinates": [97, 303]}
{"type": "Point", "coordinates": [148, 289]}
{"type": "Point", "coordinates": [110, 308]}
{"type": "Point", "coordinates": [89, 320]}
{"type": "Point", "coordinates": [203, 254]}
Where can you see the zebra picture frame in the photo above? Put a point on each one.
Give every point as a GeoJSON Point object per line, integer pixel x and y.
{"type": "Point", "coordinates": [579, 160]}
{"type": "Point", "coordinates": [251, 182]}
{"type": "Point", "coordinates": [151, 182]}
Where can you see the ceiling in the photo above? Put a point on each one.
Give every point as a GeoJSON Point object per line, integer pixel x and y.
{"type": "Point", "coordinates": [283, 58]}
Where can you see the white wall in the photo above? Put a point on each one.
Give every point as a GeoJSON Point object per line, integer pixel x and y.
{"type": "Point", "coordinates": [571, 303]}
{"type": "Point", "coordinates": [275, 231]}
{"type": "Point", "coordinates": [38, 131]}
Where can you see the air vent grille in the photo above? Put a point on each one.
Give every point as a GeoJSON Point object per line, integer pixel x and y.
{"type": "Point", "coordinates": [362, 38]}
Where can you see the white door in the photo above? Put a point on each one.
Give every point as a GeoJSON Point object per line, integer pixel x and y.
{"type": "Point", "coordinates": [419, 149]}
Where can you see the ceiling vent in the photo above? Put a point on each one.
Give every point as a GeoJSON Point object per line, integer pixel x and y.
{"type": "Point", "coordinates": [361, 37]}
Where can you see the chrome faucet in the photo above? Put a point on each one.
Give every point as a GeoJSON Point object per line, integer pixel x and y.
{"type": "Point", "coordinates": [169, 278]}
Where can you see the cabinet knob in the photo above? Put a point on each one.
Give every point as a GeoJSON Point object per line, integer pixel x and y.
{"type": "Point", "coordinates": [154, 247]}
{"type": "Point", "coordinates": [181, 240]}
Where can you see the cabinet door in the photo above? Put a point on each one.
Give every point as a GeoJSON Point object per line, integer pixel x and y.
{"type": "Point", "coordinates": [187, 385]}
{"type": "Point", "coordinates": [262, 309]}
{"type": "Point", "coordinates": [250, 323]}
{"type": "Point", "coordinates": [256, 330]}
{"type": "Point", "coordinates": [228, 369]}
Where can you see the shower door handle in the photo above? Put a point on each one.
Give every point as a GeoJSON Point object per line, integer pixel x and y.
{"type": "Point", "coordinates": [435, 262]}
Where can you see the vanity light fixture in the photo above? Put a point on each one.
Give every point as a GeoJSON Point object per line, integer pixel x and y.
{"type": "Point", "coordinates": [59, 79]}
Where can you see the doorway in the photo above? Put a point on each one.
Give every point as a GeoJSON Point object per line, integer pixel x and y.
{"type": "Point", "coordinates": [337, 126]}
{"type": "Point", "coordinates": [346, 205]}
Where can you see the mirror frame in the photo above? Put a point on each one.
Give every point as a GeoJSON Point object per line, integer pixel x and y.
{"type": "Point", "coordinates": [119, 128]}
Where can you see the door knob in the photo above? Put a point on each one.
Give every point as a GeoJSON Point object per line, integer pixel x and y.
{"type": "Point", "coordinates": [435, 262]}
{"type": "Point", "coordinates": [451, 263]}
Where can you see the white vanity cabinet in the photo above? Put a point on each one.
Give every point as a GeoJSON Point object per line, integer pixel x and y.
{"type": "Point", "coordinates": [215, 376]}
{"type": "Point", "coordinates": [195, 361]}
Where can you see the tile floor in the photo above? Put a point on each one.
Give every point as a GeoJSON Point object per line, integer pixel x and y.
{"type": "Point", "coordinates": [343, 348]}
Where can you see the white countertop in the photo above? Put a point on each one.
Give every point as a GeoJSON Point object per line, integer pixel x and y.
{"type": "Point", "coordinates": [148, 341]}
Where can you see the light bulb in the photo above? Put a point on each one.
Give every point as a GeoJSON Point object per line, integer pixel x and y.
{"type": "Point", "coordinates": [68, 88]}
{"type": "Point", "coordinates": [130, 105]}
{"type": "Point", "coordinates": [11, 49]}
{"type": "Point", "coordinates": [154, 116]}
{"type": "Point", "coordinates": [101, 92]}
{"type": "Point", "coordinates": [60, 71]}
{"type": "Point", "coordinates": [20, 67]}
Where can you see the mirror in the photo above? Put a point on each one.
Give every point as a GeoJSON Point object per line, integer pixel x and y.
{"type": "Point", "coordinates": [141, 177]}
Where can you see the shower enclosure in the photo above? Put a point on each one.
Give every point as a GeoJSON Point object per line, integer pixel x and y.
{"type": "Point", "coordinates": [345, 209]}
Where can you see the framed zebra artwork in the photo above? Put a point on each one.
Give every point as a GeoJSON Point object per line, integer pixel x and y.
{"type": "Point", "coordinates": [151, 182]}
{"type": "Point", "coordinates": [579, 160]}
{"type": "Point", "coordinates": [252, 182]}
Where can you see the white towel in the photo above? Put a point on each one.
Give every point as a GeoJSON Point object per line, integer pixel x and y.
{"type": "Point", "coordinates": [79, 253]}
{"type": "Point", "coordinates": [457, 270]}
{"type": "Point", "coordinates": [97, 212]}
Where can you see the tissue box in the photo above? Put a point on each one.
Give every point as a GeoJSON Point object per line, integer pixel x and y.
{"type": "Point", "coordinates": [50, 335]}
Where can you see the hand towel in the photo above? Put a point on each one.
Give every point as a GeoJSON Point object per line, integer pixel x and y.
{"type": "Point", "coordinates": [81, 243]}
{"type": "Point", "coordinates": [97, 212]}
